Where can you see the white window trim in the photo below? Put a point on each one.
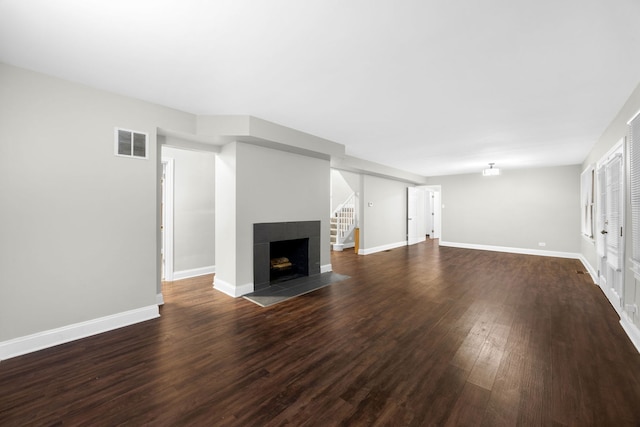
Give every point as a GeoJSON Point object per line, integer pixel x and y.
{"type": "Point", "coordinates": [587, 201]}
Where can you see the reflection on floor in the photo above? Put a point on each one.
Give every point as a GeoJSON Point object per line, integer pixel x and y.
{"type": "Point", "coordinates": [293, 288]}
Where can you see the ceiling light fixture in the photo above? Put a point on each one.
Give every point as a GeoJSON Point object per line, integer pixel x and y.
{"type": "Point", "coordinates": [491, 171]}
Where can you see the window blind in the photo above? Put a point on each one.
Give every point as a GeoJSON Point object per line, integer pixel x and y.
{"type": "Point", "coordinates": [634, 143]}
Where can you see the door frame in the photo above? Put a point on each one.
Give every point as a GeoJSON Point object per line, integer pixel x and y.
{"type": "Point", "coordinates": [616, 299]}
{"type": "Point", "coordinates": [167, 217]}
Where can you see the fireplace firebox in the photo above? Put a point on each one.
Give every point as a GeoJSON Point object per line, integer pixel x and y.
{"type": "Point", "coordinates": [284, 251]}
{"type": "Point", "coordinates": [289, 259]}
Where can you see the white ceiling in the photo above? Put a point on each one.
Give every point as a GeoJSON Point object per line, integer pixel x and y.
{"type": "Point", "coordinates": [429, 86]}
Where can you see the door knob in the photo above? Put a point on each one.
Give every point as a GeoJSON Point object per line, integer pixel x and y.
{"type": "Point", "coordinates": [604, 232]}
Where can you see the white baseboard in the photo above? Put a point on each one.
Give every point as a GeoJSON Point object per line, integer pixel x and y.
{"type": "Point", "coordinates": [571, 255]}
{"type": "Point", "coordinates": [326, 268]}
{"type": "Point", "coordinates": [418, 240]}
{"type": "Point", "coordinates": [339, 247]}
{"type": "Point", "coordinates": [592, 271]}
{"type": "Point", "coordinates": [375, 249]}
{"type": "Point", "coordinates": [194, 272]}
{"type": "Point", "coordinates": [76, 331]}
{"type": "Point", "coordinates": [631, 329]}
{"type": "Point", "coordinates": [159, 299]}
{"type": "Point", "coordinates": [231, 290]}
{"type": "Point", "coordinates": [522, 251]}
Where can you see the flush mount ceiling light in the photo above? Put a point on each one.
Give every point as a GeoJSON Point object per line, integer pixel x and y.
{"type": "Point", "coordinates": [491, 171]}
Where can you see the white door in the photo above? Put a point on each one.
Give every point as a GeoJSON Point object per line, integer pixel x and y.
{"type": "Point", "coordinates": [415, 215]}
{"type": "Point", "coordinates": [412, 222]}
{"type": "Point", "coordinates": [610, 220]}
{"type": "Point", "coordinates": [437, 215]}
{"type": "Point", "coordinates": [430, 214]}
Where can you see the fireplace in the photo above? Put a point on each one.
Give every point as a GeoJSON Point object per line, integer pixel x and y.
{"type": "Point", "coordinates": [284, 251]}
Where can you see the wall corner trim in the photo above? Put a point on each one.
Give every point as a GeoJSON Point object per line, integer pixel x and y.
{"type": "Point", "coordinates": [41, 340]}
{"type": "Point", "coordinates": [159, 299]}
{"type": "Point", "coordinates": [523, 251]}
{"type": "Point", "coordinates": [231, 290]}
{"type": "Point", "coordinates": [631, 329]}
{"type": "Point", "coordinates": [194, 272]}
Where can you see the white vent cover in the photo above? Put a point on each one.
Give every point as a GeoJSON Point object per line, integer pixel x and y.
{"type": "Point", "coordinates": [129, 143]}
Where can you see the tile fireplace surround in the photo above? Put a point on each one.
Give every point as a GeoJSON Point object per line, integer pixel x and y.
{"type": "Point", "coordinates": [265, 233]}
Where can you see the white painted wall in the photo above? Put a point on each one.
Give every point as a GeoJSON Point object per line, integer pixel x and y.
{"type": "Point", "coordinates": [225, 215]}
{"type": "Point", "coordinates": [384, 223]}
{"type": "Point", "coordinates": [194, 208]}
{"type": "Point", "coordinates": [352, 179]}
{"type": "Point", "coordinates": [340, 189]}
{"type": "Point", "coordinates": [517, 209]}
{"type": "Point", "coordinates": [79, 227]}
{"type": "Point", "coordinates": [264, 185]}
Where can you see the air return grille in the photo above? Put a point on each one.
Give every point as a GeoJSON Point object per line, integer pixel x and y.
{"type": "Point", "coordinates": [130, 143]}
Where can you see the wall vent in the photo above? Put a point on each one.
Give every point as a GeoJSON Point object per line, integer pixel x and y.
{"type": "Point", "coordinates": [130, 143]}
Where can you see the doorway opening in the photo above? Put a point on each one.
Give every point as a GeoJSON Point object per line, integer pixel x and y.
{"type": "Point", "coordinates": [434, 210]}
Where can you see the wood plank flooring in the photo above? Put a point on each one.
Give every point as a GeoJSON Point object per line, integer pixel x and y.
{"type": "Point", "coordinates": [417, 336]}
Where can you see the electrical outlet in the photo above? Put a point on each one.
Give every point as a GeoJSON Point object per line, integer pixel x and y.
{"type": "Point", "coordinates": [543, 244]}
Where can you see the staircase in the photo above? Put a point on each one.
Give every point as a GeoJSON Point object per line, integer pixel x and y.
{"type": "Point", "coordinates": [342, 223]}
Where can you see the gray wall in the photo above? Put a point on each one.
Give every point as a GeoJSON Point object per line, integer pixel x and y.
{"type": "Point", "coordinates": [264, 185]}
{"type": "Point", "coordinates": [225, 215]}
{"type": "Point", "coordinates": [517, 209]}
{"type": "Point", "coordinates": [194, 208]}
{"type": "Point", "coordinates": [78, 225]}
{"type": "Point", "coordinates": [385, 222]}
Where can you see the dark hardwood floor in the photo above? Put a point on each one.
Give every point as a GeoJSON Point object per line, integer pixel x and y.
{"type": "Point", "coordinates": [417, 336]}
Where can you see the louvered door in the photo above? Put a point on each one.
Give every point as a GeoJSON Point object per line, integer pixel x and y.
{"type": "Point", "coordinates": [610, 220]}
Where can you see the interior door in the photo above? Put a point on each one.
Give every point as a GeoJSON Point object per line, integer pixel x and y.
{"type": "Point", "coordinates": [412, 213]}
{"type": "Point", "coordinates": [415, 216]}
{"type": "Point", "coordinates": [610, 220]}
